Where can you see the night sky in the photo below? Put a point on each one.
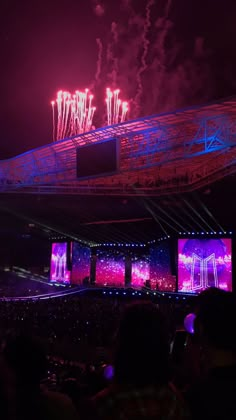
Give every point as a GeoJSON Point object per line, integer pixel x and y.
{"type": "Point", "coordinates": [51, 45]}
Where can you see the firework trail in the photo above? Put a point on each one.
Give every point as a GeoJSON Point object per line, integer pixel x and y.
{"type": "Point", "coordinates": [143, 67]}
{"type": "Point", "coordinates": [167, 9]}
{"type": "Point", "coordinates": [160, 63]}
{"type": "Point", "coordinates": [74, 113]}
{"type": "Point", "coordinates": [112, 61]}
{"type": "Point", "coordinates": [99, 60]}
{"type": "Point", "coordinates": [53, 120]}
{"type": "Point", "coordinates": [116, 109]}
{"type": "Point", "coordinates": [109, 55]}
{"type": "Point", "coordinates": [114, 31]}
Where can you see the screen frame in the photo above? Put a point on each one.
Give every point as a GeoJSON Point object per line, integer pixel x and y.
{"type": "Point", "coordinates": [63, 282]}
{"type": "Point", "coordinates": [205, 236]}
{"type": "Point", "coordinates": [104, 174]}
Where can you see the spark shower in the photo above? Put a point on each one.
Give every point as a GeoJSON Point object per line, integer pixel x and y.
{"type": "Point", "coordinates": [73, 113]}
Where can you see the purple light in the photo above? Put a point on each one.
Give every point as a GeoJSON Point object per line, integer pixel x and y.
{"type": "Point", "coordinates": [58, 269]}
{"type": "Point", "coordinates": [81, 256]}
{"type": "Point", "coordinates": [160, 268]}
{"type": "Point", "coordinates": [110, 268]}
{"type": "Point", "coordinates": [204, 263]}
{"type": "Point", "coordinates": [108, 372]}
{"type": "Point", "coordinates": [189, 323]}
{"type": "Point", "coordinates": [140, 271]}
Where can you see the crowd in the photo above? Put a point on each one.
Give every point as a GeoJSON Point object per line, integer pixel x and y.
{"type": "Point", "coordinates": [19, 283]}
{"type": "Point", "coordinates": [97, 358]}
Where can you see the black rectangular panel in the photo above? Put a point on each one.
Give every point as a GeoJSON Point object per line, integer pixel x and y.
{"type": "Point", "coordinates": [98, 159]}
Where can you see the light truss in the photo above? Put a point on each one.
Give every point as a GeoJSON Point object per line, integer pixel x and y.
{"type": "Point", "coordinates": [176, 151]}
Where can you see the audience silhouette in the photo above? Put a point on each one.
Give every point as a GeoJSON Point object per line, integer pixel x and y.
{"type": "Point", "coordinates": [213, 396]}
{"type": "Point", "coordinates": [141, 388]}
{"type": "Point", "coordinates": [26, 360]}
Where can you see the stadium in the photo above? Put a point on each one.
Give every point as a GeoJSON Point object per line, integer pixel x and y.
{"type": "Point", "coordinates": [117, 262]}
{"type": "Point", "coordinates": [129, 212]}
{"type": "Point", "coordinates": [118, 193]}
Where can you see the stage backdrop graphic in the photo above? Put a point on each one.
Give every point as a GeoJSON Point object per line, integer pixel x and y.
{"type": "Point", "coordinates": [81, 256]}
{"type": "Point", "coordinates": [160, 268]}
{"type": "Point", "coordinates": [204, 263]}
{"type": "Point", "coordinates": [58, 270]}
{"type": "Point", "coordinates": [110, 268]}
{"type": "Point", "coordinates": [140, 270]}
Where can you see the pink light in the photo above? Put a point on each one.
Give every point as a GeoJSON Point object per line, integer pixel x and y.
{"type": "Point", "coordinates": [116, 109]}
{"type": "Point", "coordinates": [75, 112]}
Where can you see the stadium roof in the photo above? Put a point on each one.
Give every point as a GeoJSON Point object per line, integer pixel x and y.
{"type": "Point", "coordinates": [168, 162]}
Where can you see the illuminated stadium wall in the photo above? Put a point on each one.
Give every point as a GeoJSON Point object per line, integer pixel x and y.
{"type": "Point", "coordinates": [204, 263]}
{"type": "Point", "coordinates": [81, 256]}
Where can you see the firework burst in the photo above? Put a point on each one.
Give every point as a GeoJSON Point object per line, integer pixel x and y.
{"type": "Point", "coordinates": [73, 114]}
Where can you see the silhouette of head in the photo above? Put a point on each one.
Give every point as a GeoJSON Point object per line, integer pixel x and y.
{"type": "Point", "coordinates": [215, 322]}
{"type": "Point", "coordinates": [141, 356]}
{"type": "Point", "coordinates": [26, 358]}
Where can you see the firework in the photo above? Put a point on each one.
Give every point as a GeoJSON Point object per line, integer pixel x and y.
{"type": "Point", "coordinates": [116, 109]}
{"type": "Point", "coordinates": [74, 114]}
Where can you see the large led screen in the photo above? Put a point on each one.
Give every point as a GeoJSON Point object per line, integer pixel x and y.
{"type": "Point", "coordinates": [110, 268]}
{"type": "Point", "coordinates": [98, 159]}
{"type": "Point", "coordinates": [140, 270]}
{"type": "Point", "coordinates": [161, 276]}
{"type": "Point", "coordinates": [81, 256]}
{"type": "Point", "coordinates": [58, 270]}
{"type": "Point", "coordinates": [204, 263]}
